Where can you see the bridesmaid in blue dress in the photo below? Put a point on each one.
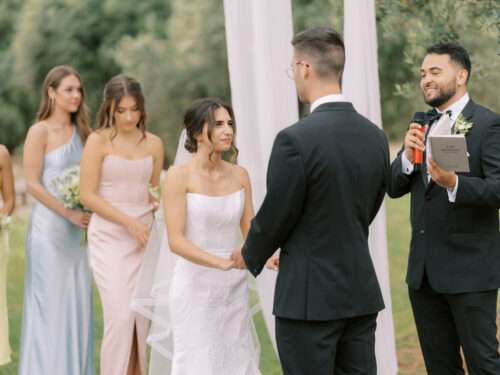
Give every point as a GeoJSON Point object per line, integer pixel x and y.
{"type": "Point", "coordinates": [57, 328]}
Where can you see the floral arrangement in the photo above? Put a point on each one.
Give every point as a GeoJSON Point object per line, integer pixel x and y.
{"type": "Point", "coordinates": [67, 184]}
{"type": "Point", "coordinates": [462, 126]}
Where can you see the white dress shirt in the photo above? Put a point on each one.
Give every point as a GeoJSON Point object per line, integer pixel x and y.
{"type": "Point", "coordinates": [327, 99]}
{"type": "Point", "coordinates": [456, 108]}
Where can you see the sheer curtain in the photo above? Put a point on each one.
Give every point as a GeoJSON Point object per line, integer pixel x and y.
{"type": "Point", "coordinates": [361, 87]}
{"type": "Point", "coordinates": [258, 34]}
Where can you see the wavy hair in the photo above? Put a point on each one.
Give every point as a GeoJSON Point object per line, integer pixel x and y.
{"type": "Point", "coordinates": [81, 117]}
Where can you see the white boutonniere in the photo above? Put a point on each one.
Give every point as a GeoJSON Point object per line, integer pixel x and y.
{"type": "Point", "coordinates": [462, 126]}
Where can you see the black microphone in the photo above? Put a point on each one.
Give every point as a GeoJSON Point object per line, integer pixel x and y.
{"type": "Point", "coordinates": [421, 119]}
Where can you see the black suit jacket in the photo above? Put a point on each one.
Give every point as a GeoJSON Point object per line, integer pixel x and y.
{"type": "Point", "coordinates": [458, 244]}
{"type": "Point", "coordinates": [326, 181]}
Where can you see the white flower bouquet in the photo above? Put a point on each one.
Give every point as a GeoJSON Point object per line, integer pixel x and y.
{"type": "Point", "coordinates": [67, 184]}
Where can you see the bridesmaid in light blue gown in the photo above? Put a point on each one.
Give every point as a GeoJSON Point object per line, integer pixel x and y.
{"type": "Point", "coordinates": [57, 328]}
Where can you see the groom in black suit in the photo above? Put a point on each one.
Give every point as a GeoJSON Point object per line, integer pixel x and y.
{"type": "Point", "coordinates": [454, 263]}
{"type": "Point", "coordinates": [326, 181]}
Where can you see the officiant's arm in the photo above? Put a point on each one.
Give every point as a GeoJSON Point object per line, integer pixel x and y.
{"type": "Point", "coordinates": [402, 168]}
{"type": "Point", "coordinates": [399, 182]}
{"type": "Point", "coordinates": [483, 191]}
{"type": "Point", "coordinates": [282, 205]}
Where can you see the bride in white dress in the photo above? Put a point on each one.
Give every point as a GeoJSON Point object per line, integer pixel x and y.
{"type": "Point", "coordinates": [208, 208]}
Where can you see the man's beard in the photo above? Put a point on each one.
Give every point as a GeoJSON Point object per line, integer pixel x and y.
{"type": "Point", "coordinates": [445, 94]}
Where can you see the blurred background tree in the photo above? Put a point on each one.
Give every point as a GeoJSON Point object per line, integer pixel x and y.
{"type": "Point", "coordinates": [177, 49]}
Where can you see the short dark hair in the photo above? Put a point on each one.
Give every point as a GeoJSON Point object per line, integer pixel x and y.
{"type": "Point", "coordinates": [326, 47]}
{"type": "Point", "coordinates": [457, 53]}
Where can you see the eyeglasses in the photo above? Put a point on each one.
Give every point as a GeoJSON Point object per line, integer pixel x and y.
{"type": "Point", "coordinates": [289, 71]}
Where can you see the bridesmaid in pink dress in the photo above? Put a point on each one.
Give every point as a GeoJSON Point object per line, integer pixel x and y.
{"type": "Point", "coordinates": [120, 160]}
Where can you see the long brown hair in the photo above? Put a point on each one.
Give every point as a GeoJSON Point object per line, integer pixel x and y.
{"type": "Point", "coordinates": [53, 79]}
{"type": "Point", "coordinates": [200, 112]}
{"type": "Point", "coordinates": [117, 88]}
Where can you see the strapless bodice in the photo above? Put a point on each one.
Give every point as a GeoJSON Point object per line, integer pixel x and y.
{"type": "Point", "coordinates": [125, 181]}
{"type": "Point", "coordinates": [213, 222]}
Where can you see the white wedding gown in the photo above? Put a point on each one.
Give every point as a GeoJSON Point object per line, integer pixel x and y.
{"type": "Point", "coordinates": [201, 321]}
{"type": "Point", "coordinates": [210, 314]}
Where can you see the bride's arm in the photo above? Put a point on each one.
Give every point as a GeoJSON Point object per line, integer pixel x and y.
{"type": "Point", "coordinates": [90, 172]}
{"type": "Point", "coordinates": [174, 198]}
{"type": "Point", "coordinates": [248, 212]}
{"type": "Point", "coordinates": [248, 215]}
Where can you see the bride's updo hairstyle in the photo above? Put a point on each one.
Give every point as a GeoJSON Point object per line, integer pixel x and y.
{"type": "Point", "coordinates": [201, 112]}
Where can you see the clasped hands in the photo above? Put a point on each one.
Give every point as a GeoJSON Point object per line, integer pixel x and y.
{"type": "Point", "coordinates": [239, 263]}
{"type": "Point", "coordinates": [414, 139]}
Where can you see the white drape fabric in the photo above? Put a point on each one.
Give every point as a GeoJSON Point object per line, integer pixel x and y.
{"type": "Point", "coordinates": [361, 87]}
{"type": "Point", "coordinates": [258, 34]}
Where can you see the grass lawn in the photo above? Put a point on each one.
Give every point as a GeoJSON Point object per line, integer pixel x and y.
{"type": "Point", "coordinates": [410, 361]}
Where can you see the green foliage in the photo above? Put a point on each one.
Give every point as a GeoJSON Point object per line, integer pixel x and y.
{"type": "Point", "coordinates": [407, 28]}
{"type": "Point", "coordinates": [177, 49]}
{"type": "Point", "coordinates": [186, 63]}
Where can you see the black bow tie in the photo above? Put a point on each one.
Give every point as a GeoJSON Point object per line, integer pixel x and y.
{"type": "Point", "coordinates": [433, 115]}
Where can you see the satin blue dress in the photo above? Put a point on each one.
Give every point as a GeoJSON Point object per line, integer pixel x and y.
{"type": "Point", "coordinates": [57, 328]}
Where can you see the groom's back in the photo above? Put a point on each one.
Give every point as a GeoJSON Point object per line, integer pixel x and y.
{"type": "Point", "coordinates": [326, 256]}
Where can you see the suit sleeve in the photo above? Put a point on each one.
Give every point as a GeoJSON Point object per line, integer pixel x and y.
{"type": "Point", "coordinates": [282, 205]}
{"type": "Point", "coordinates": [386, 181]}
{"type": "Point", "coordinates": [399, 182]}
{"type": "Point", "coordinates": [483, 191]}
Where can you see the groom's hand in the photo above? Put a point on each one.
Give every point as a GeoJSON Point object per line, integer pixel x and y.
{"type": "Point", "coordinates": [238, 260]}
{"type": "Point", "coordinates": [273, 263]}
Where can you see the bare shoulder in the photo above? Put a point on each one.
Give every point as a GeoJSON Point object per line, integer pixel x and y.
{"type": "Point", "coordinates": [4, 152]}
{"type": "Point", "coordinates": [104, 133]}
{"type": "Point", "coordinates": [241, 173]}
{"type": "Point", "coordinates": [177, 175]}
{"type": "Point", "coordinates": [155, 142]}
{"type": "Point", "coordinates": [97, 139]}
{"type": "Point", "coordinates": [38, 131]}
{"type": "Point", "coordinates": [36, 138]}
{"type": "Point", "coordinates": [153, 138]}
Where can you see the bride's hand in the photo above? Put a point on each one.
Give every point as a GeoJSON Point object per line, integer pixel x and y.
{"type": "Point", "coordinates": [273, 263]}
{"type": "Point", "coordinates": [139, 231]}
{"type": "Point", "coordinates": [226, 264]}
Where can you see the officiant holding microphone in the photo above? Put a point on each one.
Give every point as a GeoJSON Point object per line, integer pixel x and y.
{"type": "Point", "coordinates": [454, 262]}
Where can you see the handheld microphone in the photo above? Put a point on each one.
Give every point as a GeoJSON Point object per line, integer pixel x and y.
{"type": "Point", "coordinates": [419, 118]}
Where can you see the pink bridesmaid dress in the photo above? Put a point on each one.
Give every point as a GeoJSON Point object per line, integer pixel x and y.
{"type": "Point", "coordinates": [115, 259]}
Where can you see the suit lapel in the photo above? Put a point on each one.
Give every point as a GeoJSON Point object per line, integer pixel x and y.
{"type": "Point", "coordinates": [468, 111]}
